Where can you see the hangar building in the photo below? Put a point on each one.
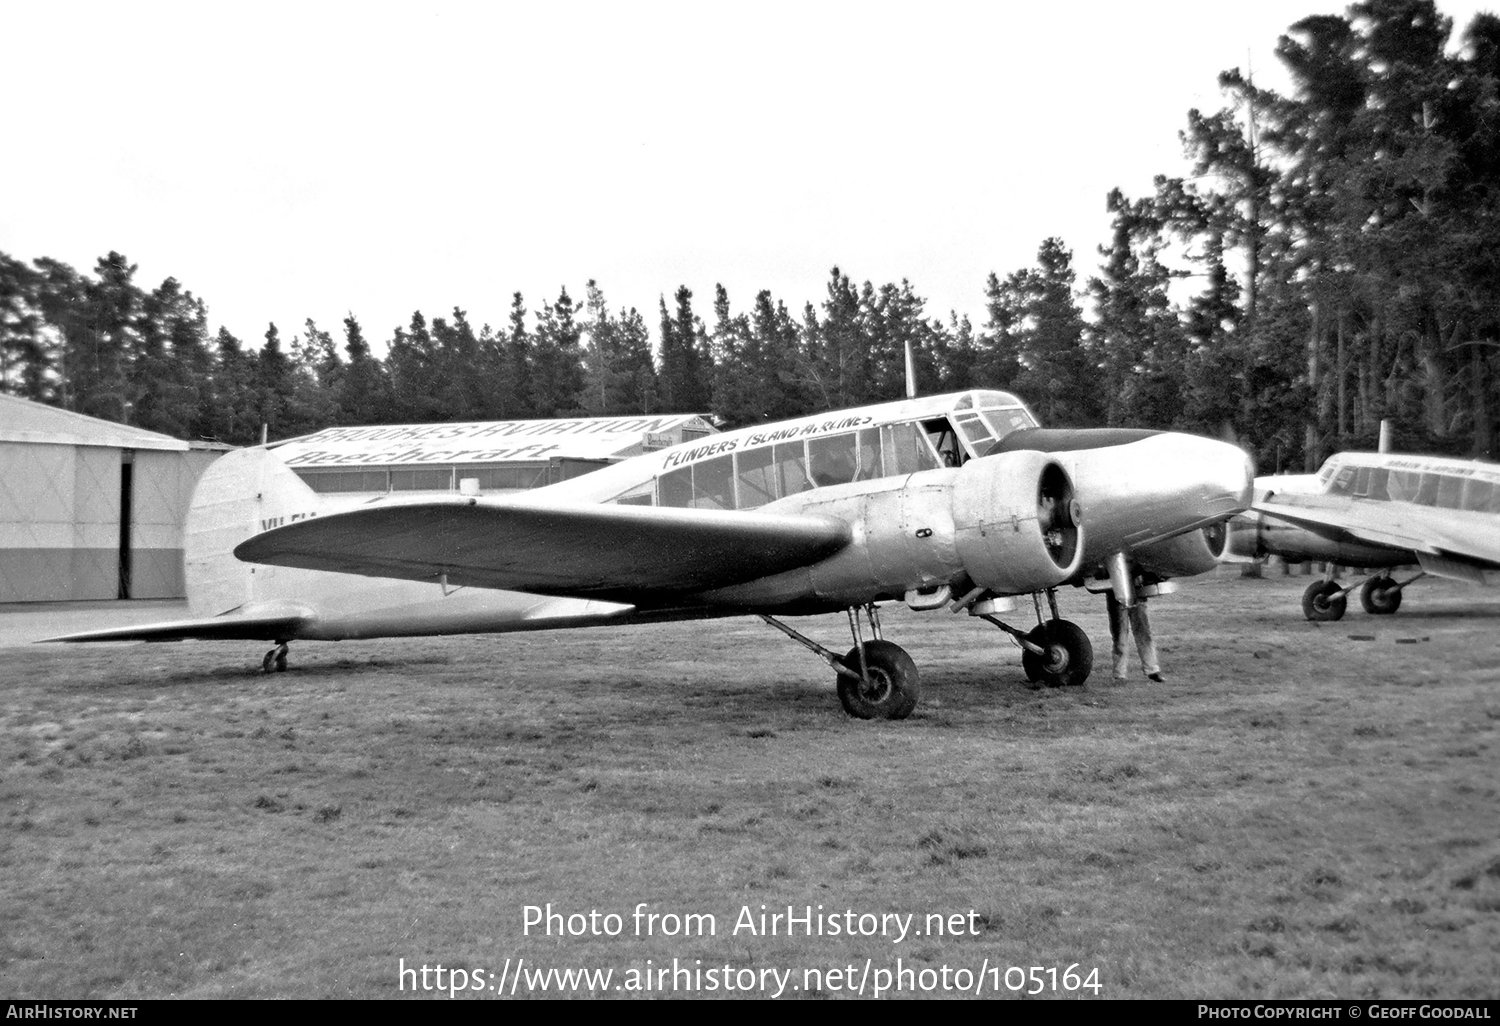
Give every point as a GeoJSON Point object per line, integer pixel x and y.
{"type": "Point", "coordinates": [90, 509]}
{"type": "Point", "coordinates": [487, 457]}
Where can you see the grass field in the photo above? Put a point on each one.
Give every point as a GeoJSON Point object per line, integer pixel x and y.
{"type": "Point", "coordinates": [1301, 810]}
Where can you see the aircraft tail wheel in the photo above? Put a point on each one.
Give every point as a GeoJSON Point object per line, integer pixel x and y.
{"type": "Point", "coordinates": [892, 690]}
{"type": "Point", "coordinates": [1380, 596]}
{"type": "Point", "coordinates": [1069, 655]}
{"type": "Point", "coordinates": [1324, 601]}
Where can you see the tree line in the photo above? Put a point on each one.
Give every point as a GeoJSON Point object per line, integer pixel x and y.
{"type": "Point", "coordinates": [1330, 263]}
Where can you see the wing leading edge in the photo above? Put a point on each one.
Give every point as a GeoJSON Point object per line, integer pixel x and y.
{"type": "Point", "coordinates": [643, 555]}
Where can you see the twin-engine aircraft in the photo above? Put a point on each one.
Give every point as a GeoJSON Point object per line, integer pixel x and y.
{"type": "Point", "coordinates": [1376, 510]}
{"type": "Point", "coordinates": [956, 501]}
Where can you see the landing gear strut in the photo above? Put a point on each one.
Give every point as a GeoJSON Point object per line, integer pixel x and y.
{"type": "Point", "coordinates": [275, 659]}
{"type": "Point", "coordinates": [877, 680]}
{"type": "Point", "coordinates": [1055, 652]}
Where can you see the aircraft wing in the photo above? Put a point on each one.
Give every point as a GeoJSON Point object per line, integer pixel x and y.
{"type": "Point", "coordinates": [1439, 534]}
{"type": "Point", "coordinates": [228, 627]}
{"type": "Point", "coordinates": [644, 555]}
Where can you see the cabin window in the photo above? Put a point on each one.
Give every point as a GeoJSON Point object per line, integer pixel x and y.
{"type": "Point", "coordinates": [1403, 485]}
{"type": "Point", "coordinates": [791, 469]}
{"type": "Point", "coordinates": [1450, 491]}
{"type": "Point", "coordinates": [713, 484]}
{"type": "Point", "coordinates": [905, 449]}
{"type": "Point", "coordinates": [755, 474]}
{"type": "Point", "coordinates": [1343, 482]}
{"type": "Point", "coordinates": [706, 485]}
{"type": "Point", "coordinates": [831, 460]}
{"type": "Point", "coordinates": [1427, 490]}
{"type": "Point", "coordinates": [675, 488]}
{"type": "Point", "coordinates": [870, 463]}
{"type": "Point", "coordinates": [1481, 495]}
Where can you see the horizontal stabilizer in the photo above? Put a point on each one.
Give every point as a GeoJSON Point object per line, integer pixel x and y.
{"type": "Point", "coordinates": [642, 555]}
{"type": "Point", "coordinates": [275, 627]}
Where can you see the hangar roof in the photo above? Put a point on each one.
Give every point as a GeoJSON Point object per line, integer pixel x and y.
{"type": "Point", "coordinates": [503, 441]}
{"type": "Point", "coordinates": [22, 420]}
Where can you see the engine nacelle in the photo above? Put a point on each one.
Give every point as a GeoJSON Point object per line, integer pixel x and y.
{"type": "Point", "coordinates": [1017, 525]}
{"type": "Point", "coordinates": [1253, 536]}
{"type": "Point", "coordinates": [1196, 552]}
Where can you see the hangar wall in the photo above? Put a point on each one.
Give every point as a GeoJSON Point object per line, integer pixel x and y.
{"type": "Point", "coordinates": [90, 509]}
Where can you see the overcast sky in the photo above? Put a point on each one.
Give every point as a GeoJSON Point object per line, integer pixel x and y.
{"type": "Point", "coordinates": [286, 161]}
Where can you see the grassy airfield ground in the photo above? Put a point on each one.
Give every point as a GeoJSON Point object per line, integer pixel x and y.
{"type": "Point", "coordinates": [1300, 811]}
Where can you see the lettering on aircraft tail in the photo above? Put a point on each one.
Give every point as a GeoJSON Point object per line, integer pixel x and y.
{"type": "Point", "coordinates": [266, 523]}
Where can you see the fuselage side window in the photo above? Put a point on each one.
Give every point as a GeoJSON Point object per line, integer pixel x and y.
{"type": "Point", "coordinates": [905, 449]}
{"type": "Point", "coordinates": [1450, 491]}
{"type": "Point", "coordinates": [1481, 495]}
{"type": "Point", "coordinates": [755, 476]}
{"type": "Point", "coordinates": [791, 468]}
{"type": "Point", "coordinates": [713, 484]}
{"type": "Point", "coordinates": [1428, 489]}
{"type": "Point", "coordinates": [675, 488]}
{"type": "Point", "coordinates": [1403, 485]}
{"type": "Point", "coordinates": [1343, 482]}
{"type": "Point", "coordinates": [830, 460]}
{"type": "Point", "coordinates": [869, 455]}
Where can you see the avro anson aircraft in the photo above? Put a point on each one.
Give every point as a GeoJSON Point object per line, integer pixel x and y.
{"type": "Point", "coordinates": [1377, 510]}
{"type": "Point", "coordinates": [956, 501]}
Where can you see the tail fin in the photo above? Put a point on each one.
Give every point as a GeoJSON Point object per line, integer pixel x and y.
{"type": "Point", "coordinates": [241, 494]}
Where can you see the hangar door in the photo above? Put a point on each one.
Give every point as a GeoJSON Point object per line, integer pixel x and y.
{"type": "Point", "coordinates": [60, 515]}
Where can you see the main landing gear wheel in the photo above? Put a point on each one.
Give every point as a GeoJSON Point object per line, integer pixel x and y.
{"type": "Point", "coordinates": [892, 690]}
{"type": "Point", "coordinates": [275, 660]}
{"type": "Point", "coordinates": [1069, 654]}
{"type": "Point", "coordinates": [1381, 596]}
{"type": "Point", "coordinates": [1324, 601]}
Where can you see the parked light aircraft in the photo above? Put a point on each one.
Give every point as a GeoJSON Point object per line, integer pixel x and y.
{"type": "Point", "coordinates": [1376, 510]}
{"type": "Point", "coordinates": [956, 501]}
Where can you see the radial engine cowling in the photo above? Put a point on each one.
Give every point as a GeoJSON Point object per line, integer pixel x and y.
{"type": "Point", "coordinates": [1186, 555]}
{"type": "Point", "coordinates": [1017, 526]}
